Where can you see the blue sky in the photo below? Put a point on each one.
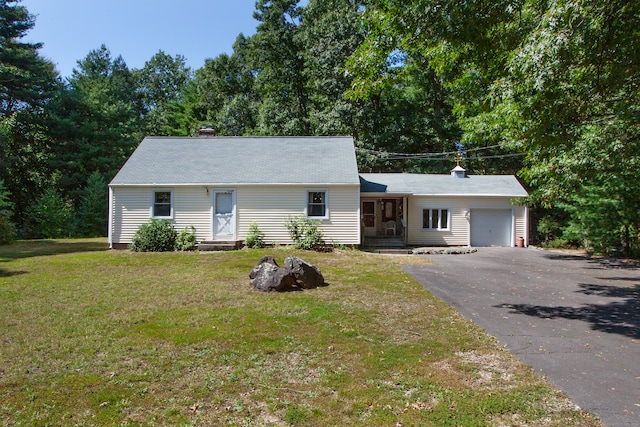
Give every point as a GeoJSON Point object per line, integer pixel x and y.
{"type": "Point", "coordinates": [137, 29]}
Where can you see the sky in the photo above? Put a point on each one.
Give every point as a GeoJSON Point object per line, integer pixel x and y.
{"type": "Point", "coordinates": [138, 29]}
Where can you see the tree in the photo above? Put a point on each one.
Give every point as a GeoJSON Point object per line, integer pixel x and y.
{"type": "Point", "coordinates": [277, 56]}
{"type": "Point", "coordinates": [27, 83]}
{"type": "Point", "coordinates": [92, 212]}
{"type": "Point", "coordinates": [573, 105]}
{"type": "Point", "coordinates": [555, 80]}
{"type": "Point", "coordinates": [26, 79]}
{"type": "Point", "coordinates": [161, 83]}
{"type": "Point", "coordinates": [410, 107]}
{"type": "Point", "coordinates": [227, 95]}
{"type": "Point", "coordinates": [330, 33]}
{"type": "Point", "coordinates": [24, 148]}
{"type": "Point", "coordinates": [95, 123]}
{"type": "Point", "coordinates": [50, 217]}
{"type": "Point", "coordinates": [7, 227]}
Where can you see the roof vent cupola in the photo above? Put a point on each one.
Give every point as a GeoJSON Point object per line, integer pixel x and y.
{"type": "Point", "coordinates": [458, 172]}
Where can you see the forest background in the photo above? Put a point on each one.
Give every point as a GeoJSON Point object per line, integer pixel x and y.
{"type": "Point", "coordinates": [548, 90]}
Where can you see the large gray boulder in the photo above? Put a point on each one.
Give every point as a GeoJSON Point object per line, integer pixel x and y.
{"type": "Point", "coordinates": [267, 276]}
{"type": "Point", "coordinates": [297, 274]}
{"type": "Point", "coordinates": [307, 275]}
{"type": "Point", "coordinates": [264, 260]}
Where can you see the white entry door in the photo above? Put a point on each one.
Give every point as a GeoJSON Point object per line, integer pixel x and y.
{"type": "Point", "coordinates": [224, 207]}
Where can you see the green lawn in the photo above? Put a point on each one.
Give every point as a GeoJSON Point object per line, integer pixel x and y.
{"type": "Point", "coordinates": [97, 337]}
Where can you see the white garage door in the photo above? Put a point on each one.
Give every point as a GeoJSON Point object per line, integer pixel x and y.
{"type": "Point", "coordinates": [491, 227]}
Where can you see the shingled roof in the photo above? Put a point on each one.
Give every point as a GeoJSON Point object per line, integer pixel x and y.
{"type": "Point", "coordinates": [441, 185]}
{"type": "Point", "coordinates": [241, 160]}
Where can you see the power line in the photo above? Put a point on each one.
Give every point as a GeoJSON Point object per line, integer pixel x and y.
{"type": "Point", "coordinates": [443, 153]}
{"type": "Point", "coordinates": [438, 156]}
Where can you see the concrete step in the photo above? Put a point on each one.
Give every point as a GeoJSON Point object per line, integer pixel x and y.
{"type": "Point", "coordinates": [219, 245]}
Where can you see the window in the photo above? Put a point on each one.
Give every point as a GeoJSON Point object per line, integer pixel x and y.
{"type": "Point", "coordinates": [317, 204]}
{"type": "Point", "coordinates": [435, 219]}
{"type": "Point", "coordinates": [162, 206]}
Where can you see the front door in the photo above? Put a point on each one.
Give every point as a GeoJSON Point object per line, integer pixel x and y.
{"type": "Point", "coordinates": [369, 218]}
{"type": "Point", "coordinates": [224, 207]}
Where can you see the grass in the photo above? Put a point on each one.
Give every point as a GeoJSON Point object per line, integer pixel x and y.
{"type": "Point", "coordinates": [93, 337]}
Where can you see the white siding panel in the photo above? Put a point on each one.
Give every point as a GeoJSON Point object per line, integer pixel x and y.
{"type": "Point", "coordinates": [458, 233]}
{"type": "Point", "coordinates": [132, 208]}
{"type": "Point", "coordinates": [269, 206]}
{"type": "Point", "coordinates": [192, 207]}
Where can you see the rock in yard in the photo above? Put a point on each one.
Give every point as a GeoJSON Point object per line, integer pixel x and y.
{"type": "Point", "coordinates": [265, 259]}
{"type": "Point", "coordinates": [268, 277]}
{"type": "Point", "coordinates": [297, 274]}
{"type": "Point", "coordinates": [307, 275]}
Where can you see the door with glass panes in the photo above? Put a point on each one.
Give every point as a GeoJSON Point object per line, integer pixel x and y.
{"type": "Point", "coordinates": [224, 214]}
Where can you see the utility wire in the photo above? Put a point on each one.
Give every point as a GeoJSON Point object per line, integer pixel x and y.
{"type": "Point", "coordinates": [438, 156]}
{"type": "Point", "coordinates": [409, 155]}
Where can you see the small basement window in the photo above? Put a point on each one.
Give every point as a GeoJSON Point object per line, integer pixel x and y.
{"type": "Point", "coordinates": [317, 204]}
{"type": "Point", "coordinates": [435, 219]}
{"type": "Point", "coordinates": [162, 204]}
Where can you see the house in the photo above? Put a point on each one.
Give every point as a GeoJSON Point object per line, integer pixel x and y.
{"type": "Point", "coordinates": [220, 185]}
{"type": "Point", "coordinates": [444, 210]}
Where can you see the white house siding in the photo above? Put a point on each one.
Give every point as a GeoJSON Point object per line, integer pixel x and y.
{"type": "Point", "coordinates": [459, 229]}
{"type": "Point", "coordinates": [522, 223]}
{"type": "Point", "coordinates": [269, 206]}
{"type": "Point", "coordinates": [131, 207]}
{"type": "Point", "coordinates": [192, 206]}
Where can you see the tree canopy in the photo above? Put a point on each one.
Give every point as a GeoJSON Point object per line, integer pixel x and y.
{"type": "Point", "coordinates": [548, 90]}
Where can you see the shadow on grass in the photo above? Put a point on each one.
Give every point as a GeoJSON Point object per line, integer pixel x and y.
{"type": "Point", "coordinates": [5, 273]}
{"type": "Point", "coordinates": [32, 248]}
{"type": "Point", "coordinates": [620, 317]}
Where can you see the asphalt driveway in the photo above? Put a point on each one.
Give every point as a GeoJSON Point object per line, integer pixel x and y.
{"type": "Point", "coordinates": [574, 319]}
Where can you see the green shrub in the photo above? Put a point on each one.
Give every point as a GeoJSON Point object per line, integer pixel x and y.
{"type": "Point", "coordinates": [186, 240]}
{"type": "Point", "coordinates": [50, 217]}
{"type": "Point", "coordinates": [255, 237]}
{"type": "Point", "coordinates": [156, 235]}
{"type": "Point", "coordinates": [304, 232]}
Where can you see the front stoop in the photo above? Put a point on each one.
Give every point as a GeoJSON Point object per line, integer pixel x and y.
{"type": "Point", "coordinates": [389, 251]}
{"type": "Point", "coordinates": [219, 245]}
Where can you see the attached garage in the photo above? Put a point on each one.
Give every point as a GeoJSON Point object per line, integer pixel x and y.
{"type": "Point", "coordinates": [448, 210]}
{"type": "Point", "coordinates": [491, 227]}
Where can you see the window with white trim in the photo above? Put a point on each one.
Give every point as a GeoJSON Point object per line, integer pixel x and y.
{"type": "Point", "coordinates": [317, 204]}
{"type": "Point", "coordinates": [435, 219]}
{"type": "Point", "coordinates": [162, 204]}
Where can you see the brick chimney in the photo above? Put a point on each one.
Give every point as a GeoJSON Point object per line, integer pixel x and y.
{"type": "Point", "coordinates": [206, 131]}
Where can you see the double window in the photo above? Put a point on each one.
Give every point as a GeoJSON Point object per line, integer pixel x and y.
{"type": "Point", "coordinates": [317, 204]}
{"type": "Point", "coordinates": [162, 204]}
{"type": "Point", "coordinates": [435, 219]}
